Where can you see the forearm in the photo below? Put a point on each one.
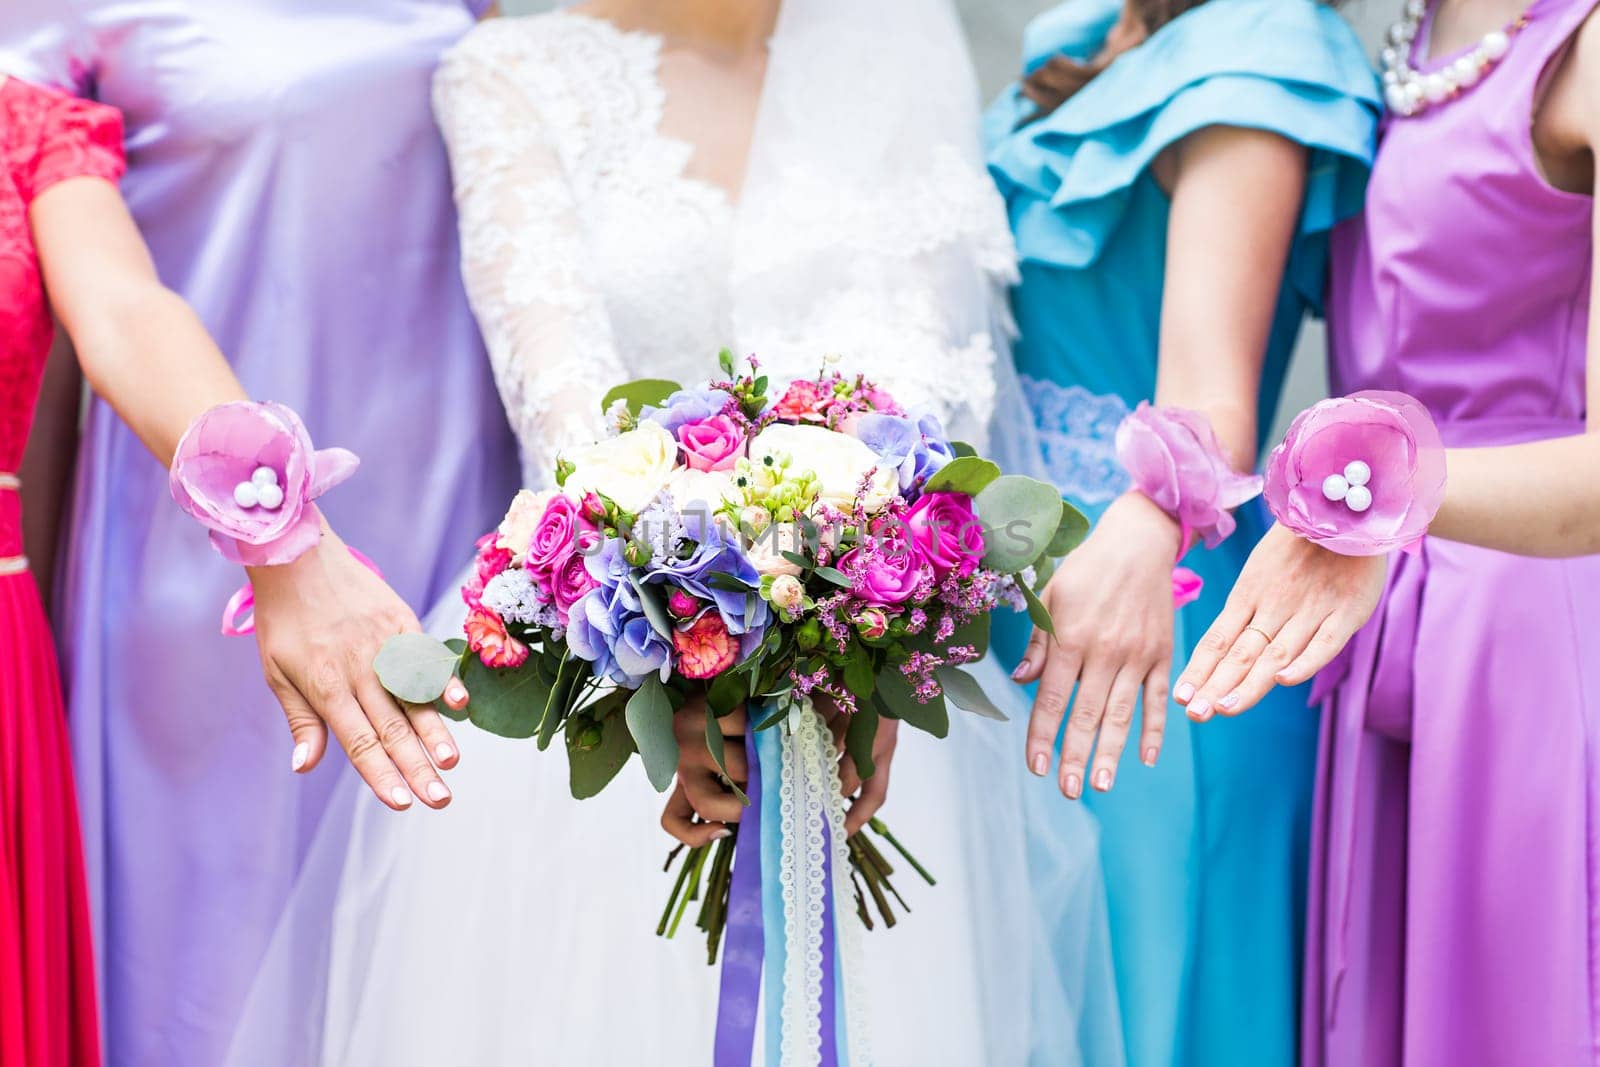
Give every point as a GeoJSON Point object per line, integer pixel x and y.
{"type": "Point", "coordinates": [1536, 499]}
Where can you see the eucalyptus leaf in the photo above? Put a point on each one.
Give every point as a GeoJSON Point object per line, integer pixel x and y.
{"type": "Point", "coordinates": [555, 706]}
{"type": "Point", "coordinates": [964, 474]}
{"type": "Point", "coordinates": [1070, 533]}
{"type": "Point", "coordinates": [796, 558]}
{"type": "Point", "coordinates": [932, 717]}
{"type": "Point", "coordinates": [727, 691]}
{"type": "Point", "coordinates": [961, 448]}
{"type": "Point", "coordinates": [649, 718]}
{"type": "Point", "coordinates": [458, 645]}
{"type": "Point", "coordinates": [646, 392]}
{"type": "Point", "coordinates": [728, 583]}
{"type": "Point", "coordinates": [655, 609]}
{"type": "Point", "coordinates": [508, 703]}
{"type": "Point", "coordinates": [965, 693]}
{"type": "Point", "coordinates": [716, 745]}
{"type": "Point", "coordinates": [859, 736]}
{"type": "Point", "coordinates": [858, 675]}
{"type": "Point", "coordinates": [1037, 611]}
{"type": "Point", "coordinates": [1020, 516]}
{"type": "Point", "coordinates": [834, 575]}
{"type": "Point", "coordinates": [592, 768]}
{"type": "Point", "coordinates": [415, 668]}
{"type": "Point", "coordinates": [779, 713]}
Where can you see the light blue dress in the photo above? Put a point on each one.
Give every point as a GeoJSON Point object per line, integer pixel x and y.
{"type": "Point", "coordinates": [1205, 855]}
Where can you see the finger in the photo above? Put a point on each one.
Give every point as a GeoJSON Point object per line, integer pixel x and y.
{"type": "Point", "coordinates": [1032, 665]}
{"type": "Point", "coordinates": [1155, 713]}
{"type": "Point", "coordinates": [401, 742]}
{"type": "Point", "coordinates": [1329, 640]}
{"type": "Point", "coordinates": [435, 735]}
{"type": "Point", "coordinates": [456, 697]}
{"type": "Point", "coordinates": [1056, 684]}
{"type": "Point", "coordinates": [709, 798]}
{"type": "Point", "coordinates": [1235, 666]}
{"type": "Point", "coordinates": [1115, 727]}
{"type": "Point", "coordinates": [849, 777]}
{"type": "Point", "coordinates": [874, 791]}
{"type": "Point", "coordinates": [362, 745]}
{"type": "Point", "coordinates": [1213, 645]}
{"type": "Point", "coordinates": [1083, 725]}
{"type": "Point", "coordinates": [677, 819]}
{"type": "Point", "coordinates": [309, 731]}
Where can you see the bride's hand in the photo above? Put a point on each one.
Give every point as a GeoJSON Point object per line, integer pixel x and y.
{"type": "Point", "coordinates": [320, 622]}
{"type": "Point", "coordinates": [1112, 605]}
{"type": "Point", "coordinates": [1294, 608]}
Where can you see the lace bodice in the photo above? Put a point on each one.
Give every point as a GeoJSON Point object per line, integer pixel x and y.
{"type": "Point", "coordinates": [592, 258]}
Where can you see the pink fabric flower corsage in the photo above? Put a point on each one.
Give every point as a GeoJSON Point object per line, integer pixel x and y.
{"type": "Point", "coordinates": [1359, 475]}
{"type": "Point", "coordinates": [247, 471]}
{"type": "Point", "coordinates": [1175, 459]}
{"type": "Point", "coordinates": [1186, 586]}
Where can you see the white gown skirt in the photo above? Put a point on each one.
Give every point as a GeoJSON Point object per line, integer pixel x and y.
{"type": "Point", "coordinates": [517, 926]}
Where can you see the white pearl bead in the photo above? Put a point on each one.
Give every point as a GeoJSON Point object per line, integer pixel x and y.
{"type": "Point", "coordinates": [1397, 33]}
{"type": "Point", "coordinates": [1395, 96]}
{"type": "Point", "coordinates": [1334, 487]}
{"type": "Point", "coordinates": [1435, 88]}
{"type": "Point", "coordinates": [1359, 499]}
{"type": "Point", "coordinates": [1389, 57]}
{"type": "Point", "coordinates": [1414, 97]}
{"type": "Point", "coordinates": [1495, 44]}
{"type": "Point", "coordinates": [1466, 71]}
{"type": "Point", "coordinates": [1357, 473]}
{"type": "Point", "coordinates": [264, 476]}
{"type": "Point", "coordinates": [1416, 9]}
{"type": "Point", "coordinates": [244, 494]}
{"type": "Point", "coordinates": [271, 497]}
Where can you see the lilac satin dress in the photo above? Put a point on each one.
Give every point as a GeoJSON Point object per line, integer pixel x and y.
{"type": "Point", "coordinates": [1455, 892]}
{"type": "Point", "coordinates": [285, 169]}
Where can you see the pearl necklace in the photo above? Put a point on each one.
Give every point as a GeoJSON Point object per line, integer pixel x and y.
{"type": "Point", "coordinates": [1408, 91]}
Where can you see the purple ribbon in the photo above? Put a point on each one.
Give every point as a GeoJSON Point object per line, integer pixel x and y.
{"type": "Point", "coordinates": [830, 1039]}
{"type": "Point", "coordinates": [744, 944]}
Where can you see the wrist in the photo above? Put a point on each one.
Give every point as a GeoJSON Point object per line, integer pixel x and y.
{"type": "Point", "coordinates": [1145, 518]}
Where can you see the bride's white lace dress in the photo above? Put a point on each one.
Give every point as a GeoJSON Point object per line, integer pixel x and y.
{"type": "Point", "coordinates": [517, 926]}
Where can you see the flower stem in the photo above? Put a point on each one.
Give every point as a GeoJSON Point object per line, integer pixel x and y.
{"type": "Point", "coordinates": [883, 831]}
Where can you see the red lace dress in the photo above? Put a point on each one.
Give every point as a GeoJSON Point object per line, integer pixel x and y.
{"type": "Point", "coordinates": [47, 1005]}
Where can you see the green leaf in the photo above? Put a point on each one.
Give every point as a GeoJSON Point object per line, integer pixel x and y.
{"type": "Point", "coordinates": [458, 645]}
{"type": "Point", "coordinates": [1020, 516]}
{"type": "Point", "coordinates": [646, 392]}
{"type": "Point", "coordinates": [728, 583]}
{"type": "Point", "coordinates": [556, 708]}
{"type": "Point", "coordinates": [655, 608]}
{"type": "Point", "coordinates": [965, 474]}
{"type": "Point", "coordinates": [718, 749]}
{"type": "Point", "coordinates": [415, 668]}
{"type": "Point", "coordinates": [649, 718]}
{"type": "Point", "coordinates": [961, 448]}
{"type": "Point", "coordinates": [1070, 533]}
{"type": "Point", "coordinates": [1037, 611]}
{"type": "Point", "coordinates": [859, 736]}
{"type": "Point", "coordinates": [592, 769]}
{"type": "Point", "coordinates": [727, 691]}
{"type": "Point", "coordinates": [965, 693]}
{"type": "Point", "coordinates": [508, 703]}
{"type": "Point", "coordinates": [858, 675]}
{"type": "Point", "coordinates": [932, 717]}
{"type": "Point", "coordinates": [774, 719]}
{"type": "Point", "coordinates": [834, 575]}
{"type": "Point", "coordinates": [796, 558]}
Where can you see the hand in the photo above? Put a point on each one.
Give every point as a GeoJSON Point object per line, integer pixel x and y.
{"type": "Point", "coordinates": [1294, 608]}
{"type": "Point", "coordinates": [319, 624]}
{"type": "Point", "coordinates": [1112, 605]}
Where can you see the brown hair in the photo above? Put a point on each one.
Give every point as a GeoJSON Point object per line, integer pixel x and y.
{"type": "Point", "coordinates": [1056, 81]}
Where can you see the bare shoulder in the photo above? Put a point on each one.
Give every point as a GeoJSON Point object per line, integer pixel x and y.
{"type": "Point", "coordinates": [1568, 117]}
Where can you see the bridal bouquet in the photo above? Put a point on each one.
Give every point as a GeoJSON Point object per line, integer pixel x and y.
{"type": "Point", "coordinates": [760, 547]}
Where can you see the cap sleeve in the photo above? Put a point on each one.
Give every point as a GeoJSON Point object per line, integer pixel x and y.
{"type": "Point", "coordinates": [47, 42]}
{"type": "Point", "coordinates": [55, 137]}
{"type": "Point", "coordinates": [1289, 66]}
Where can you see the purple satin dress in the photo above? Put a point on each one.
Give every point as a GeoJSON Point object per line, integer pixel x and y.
{"type": "Point", "coordinates": [286, 171]}
{"type": "Point", "coordinates": [1455, 887]}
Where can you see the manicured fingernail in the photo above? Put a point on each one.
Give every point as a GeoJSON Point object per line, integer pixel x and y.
{"type": "Point", "coordinates": [721, 834]}
{"type": "Point", "coordinates": [1200, 708]}
{"type": "Point", "coordinates": [437, 792]}
{"type": "Point", "coordinates": [456, 693]}
{"type": "Point", "coordinates": [446, 753]}
{"type": "Point", "coordinates": [302, 752]}
{"type": "Point", "coordinates": [401, 796]}
{"type": "Point", "coordinates": [1150, 757]}
{"type": "Point", "coordinates": [1039, 764]}
{"type": "Point", "coordinates": [1021, 671]}
{"type": "Point", "coordinates": [1184, 691]}
{"type": "Point", "coordinates": [1229, 702]}
{"type": "Point", "coordinates": [1102, 779]}
{"type": "Point", "coordinates": [1074, 787]}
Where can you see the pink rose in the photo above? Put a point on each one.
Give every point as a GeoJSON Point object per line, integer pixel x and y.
{"type": "Point", "coordinates": [556, 536]}
{"type": "Point", "coordinates": [705, 648]}
{"type": "Point", "coordinates": [1359, 475]}
{"type": "Point", "coordinates": [593, 508]}
{"type": "Point", "coordinates": [487, 636]}
{"type": "Point", "coordinates": [887, 569]}
{"type": "Point", "coordinates": [713, 444]}
{"type": "Point", "coordinates": [1175, 459]}
{"type": "Point", "coordinates": [872, 623]}
{"type": "Point", "coordinates": [570, 582]}
{"type": "Point", "coordinates": [683, 605]}
{"type": "Point", "coordinates": [804, 401]}
{"type": "Point", "coordinates": [219, 456]}
{"type": "Point", "coordinates": [947, 532]}
{"type": "Point", "coordinates": [878, 400]}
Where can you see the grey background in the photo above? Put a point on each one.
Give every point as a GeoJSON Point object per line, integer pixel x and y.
{"type": "Point", "coordinates": [995, 28]}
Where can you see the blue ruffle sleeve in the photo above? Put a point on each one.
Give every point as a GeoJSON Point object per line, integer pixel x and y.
{"type": "Point", "coordinates": [1290, 66]}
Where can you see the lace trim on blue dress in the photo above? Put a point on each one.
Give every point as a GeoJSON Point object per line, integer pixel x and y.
{"type": "Point", "coordinates": [1077, 431]}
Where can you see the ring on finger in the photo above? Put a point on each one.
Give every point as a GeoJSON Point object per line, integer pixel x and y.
{"type": "Point", "coordinates": [1260, 631]}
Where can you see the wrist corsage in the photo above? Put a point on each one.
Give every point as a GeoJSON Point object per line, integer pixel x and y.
{"type": "Point", "coordinates": [247, 471]}
{"type": "Point", "coordinates": [1360, 475]}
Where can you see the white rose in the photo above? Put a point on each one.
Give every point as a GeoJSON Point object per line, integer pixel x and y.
{"type": "Point", "coordinates": [766, 552]}
{"type": "Point", "coordinates": [688, 485]}
{"type": "Point", "coordinates": [522, 518]}
{"type": "Point", "coordinates": [840, 463]}
{"type": "Point", "coordinates": [630, 468]}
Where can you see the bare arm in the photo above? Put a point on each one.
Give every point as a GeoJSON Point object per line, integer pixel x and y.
{"type": "Point", "coordinates": [1235, 204]}
{"type": "Point", "coordinates": [321, 619]}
